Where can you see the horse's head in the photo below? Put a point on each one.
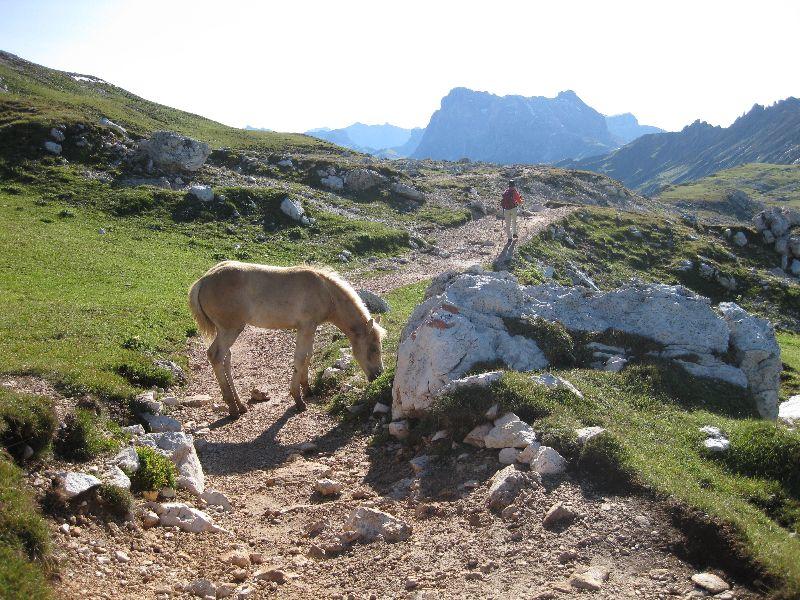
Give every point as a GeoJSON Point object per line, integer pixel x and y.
{"type": "Point", "coordinates": [366, 343]}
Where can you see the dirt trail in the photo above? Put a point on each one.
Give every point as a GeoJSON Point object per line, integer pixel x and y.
{"type": "Point", "coordinates": [457, 549]}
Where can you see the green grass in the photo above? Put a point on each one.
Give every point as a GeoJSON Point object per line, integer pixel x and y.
{"type": "Point", "coordinates": [25, 420]}
{"type": "Point", "coordinates": [442, 216]}
{"type": "Point", "coordinates": [654, 441]}
{"type": "Point", "coordinates": [40, 97]}
{"type": "Point", "coordinates": [763, 182]}
{"type": "Point", "coordinates": [86, 435]}
{"type": "Point", "coordinates": [790, 355]}
{"type": "Point", "coordinates": [24, 542]}
{"type": "Point", "coordinates": [92, 311]}
{"type": "Point", "coordinates": [607, 248]}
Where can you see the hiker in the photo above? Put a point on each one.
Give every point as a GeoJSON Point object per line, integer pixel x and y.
{"type": "Point", "coordinates": [511, 200]}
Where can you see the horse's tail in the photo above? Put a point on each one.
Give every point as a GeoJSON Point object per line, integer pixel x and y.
{"type": "Point", "coordinates": [204, 324]}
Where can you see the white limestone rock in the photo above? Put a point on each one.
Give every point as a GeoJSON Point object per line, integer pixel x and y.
{"type": "Point", "coordinates": [204, 193]}
{"type": "Point", "coordinates": [371, 523]}
{"type": "Point", "coordinates": [328, 487]}
{"type": "Point", "coordinates": [476, 436]}
{"type": "Point", "coordinates": [72, 483]}
{"type": "Point", "coordinates": [508, 456]}
{"type": "Point", "coordinates": [509, 431]}
{"type": "Point", "coordinates": [399, 429]}
{"type": "Point", "coordinates": [407, 191]}
{"type": "Point", "coordinates": [554, 382]}
{"type": "Point", "coordinates": [187, 518]}
{"type": "Point", "coordinates": [117, 477]}
{"type": "Point", "coordinates": [504, 486]}
{"type": "Point", "coordinates": [127, 459]}
{"type": "Point", "coordinates": [584, 434]}
{"type": "Point", "coordinates": [216, 498]}
{"type": "Point", "coordinates": [174, 152]}
{"type": "Point", "coordinates": [789, 411]}
{"type": "Point", "coordinates": [528, 455]}
{"type": "Point", "coordinates": [361, 180]}
{"type": "Point", "coordinates": [179, 448]}
{"type": "Point", "coordinates": [549, 462]}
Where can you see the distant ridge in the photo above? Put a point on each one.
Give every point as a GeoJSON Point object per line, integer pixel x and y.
{"type": "Point", "coordinates": [762, 135]}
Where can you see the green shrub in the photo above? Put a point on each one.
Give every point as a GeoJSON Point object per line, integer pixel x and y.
{"type": "Point", "coordinates": [85, 435]}
{"type": "Point", "coordinates": [145, 375]}
{"type": "Point", "coordinates": [115, 499]}
{"type": "Point", "coordinates": [25, 420]}
{"type": "Point", "coordinates": [21, 579]}
{"type": "Point", "coordinates": [552, 338]}
{"type": "Point", "coordinates": [761, 449]}
{"type": "Point", "coordinates": [155, 471]}
{"type": "Point", "coordinates": [380, 389]}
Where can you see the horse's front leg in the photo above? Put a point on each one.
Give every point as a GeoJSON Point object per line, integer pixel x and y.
{"type": "Point", "coordinates": [304, 348]}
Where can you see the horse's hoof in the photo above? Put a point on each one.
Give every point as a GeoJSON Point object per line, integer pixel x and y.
{"type": "Point", "coordinates": [243, 409]}
{"type": "Point", "coordinates": [300, 406]}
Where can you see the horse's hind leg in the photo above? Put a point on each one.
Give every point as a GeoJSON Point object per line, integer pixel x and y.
{"type": "Point", "coordinates": [304, 348]}
{"type": "Point", "coordinates": [219, 357]}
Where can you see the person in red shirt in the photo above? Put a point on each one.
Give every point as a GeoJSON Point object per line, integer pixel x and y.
{"type": "Point", "coordinates": [511, 201]}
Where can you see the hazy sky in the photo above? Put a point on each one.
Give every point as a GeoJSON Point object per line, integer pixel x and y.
{"type": "Point", "coordinates": [293, 65]}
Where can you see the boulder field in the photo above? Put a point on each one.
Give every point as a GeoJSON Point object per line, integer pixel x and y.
{"type": "Point", "coordinates": [462, 322]}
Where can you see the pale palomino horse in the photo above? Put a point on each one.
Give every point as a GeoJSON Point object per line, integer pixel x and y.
{"type": "Point", "coordinates": [232, 295]}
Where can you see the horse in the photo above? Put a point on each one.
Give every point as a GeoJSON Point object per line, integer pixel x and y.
{"type": "Point", "coordinates": [233, 294]}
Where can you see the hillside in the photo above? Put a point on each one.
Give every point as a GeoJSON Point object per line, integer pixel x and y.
{"type": "Point", "coordinates": [515, 129]}
{"type": "Point", "coordinates": [122, 474]}
{"type": "Point", "coordinates": [738, 192]}
{"type": "Point", "coordinates": [764, 134]}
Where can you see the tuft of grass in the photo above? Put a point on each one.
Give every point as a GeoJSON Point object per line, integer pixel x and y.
{"type": "Point", "coordinates": [116, 500]}
{"type": "Point", "coordinates": [144, 375]}
{"type": "Point", "coordinates": [86, 435]}
{"type": "Point", "coordinates": [552, 337]}
{"type": "Point", "coordinates": [24, 540]}
{"type": "Point", "coordinates": [155, 471]}
{"type": "Point", "coordinates": [380, 389]}
{"type": "Point", "coordinates": [25, 420]}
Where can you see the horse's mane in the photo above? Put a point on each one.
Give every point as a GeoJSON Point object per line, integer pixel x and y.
{"type": "Point", "coordinates": [337, 281]}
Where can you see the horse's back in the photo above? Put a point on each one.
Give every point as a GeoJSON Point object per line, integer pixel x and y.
{"type": "Point", "coordinates": [234, 294]}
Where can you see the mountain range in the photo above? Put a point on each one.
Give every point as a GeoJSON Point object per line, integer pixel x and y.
{"type": "Point", "coordinates": [386, 141]}
{"type": "Point", "coordinates": [519, 129]}
{"type": "Point", "coordinates": [762, 135]}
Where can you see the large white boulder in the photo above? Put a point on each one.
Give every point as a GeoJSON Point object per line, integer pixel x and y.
{"type": "Point", "coordinates": [407, 191]}
{"type": "Point", "coordinates": [295, 211]}
{"type": "Point", "coordinates": [72, 483]}
{"type": "Point", "coordinates": [509, 431]}
{"type": "Point", "coordinates": [174, 152]}
{"type": "Point", "coordinates": [204, 193]}
{"type": "Point", "coordinates": [757, 354]}
{"type": "Point", "coordinates": [460, 324]}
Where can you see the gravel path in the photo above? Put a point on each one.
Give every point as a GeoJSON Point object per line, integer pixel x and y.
{"type": "Point", "coordinates": [458, 549]}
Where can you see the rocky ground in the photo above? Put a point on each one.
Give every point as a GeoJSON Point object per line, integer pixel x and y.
{"type": "Point", "coordinates": [285, 539]}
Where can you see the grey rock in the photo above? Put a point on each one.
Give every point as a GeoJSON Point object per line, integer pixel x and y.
{"type": "Point", "coordinates": [375, 304]}
{"type": "Point", "coordinates": [371, 523]}
{"type": "Point", "coordinates": [204, 193]}
{"type": "Point", "coordinates": [72, 483]}
{"type": "Point", "coordinates": [174, 152]}
{"type": "Point", "coordinates": [504, 486]}
{"type": "Point", "coordinates": [52, 147]}
{"type": "Point", "coordinates": [362, 180]}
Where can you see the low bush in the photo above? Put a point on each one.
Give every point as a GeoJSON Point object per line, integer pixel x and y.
{"type": "Point", "coordinates": [25, 420]}
{"type": "Point", "coordinates": [552, 338]}
{"type": "Point", "coordinates": [85, 435]}
{"type": "Point", "coordinates": [144, 375]}
{"type": "Point", "coordinates": [155, 471]}
{"type": "Point", "coordinates": [115, 499]}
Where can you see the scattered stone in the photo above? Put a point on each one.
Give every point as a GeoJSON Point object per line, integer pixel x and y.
{"type": "Point", "coordinates": [196, 400]}
{"type": "Point", "coordinates": [476, 436]}
{"type": "Point", "coordinates": [549, 462]}
{"type": "Point", "coordinates": [710, 582]}
{"type": "Point", "coordinates": [591, 579]}
{"type": "Point", "coordinates": [558, 513]}
{"type": "Point", "coordinates": [508, 456]}
{"type": "Point", "coordinates": [586, 433]}
{"type": "Point", "coordinates": [121, 556]}
{"type": "Point", "coordinates": [27, 452]}
{"type": "Point", "coordinates": [295, 211]}
{"type": "Point", "coordinates": [226, 590]}
{"type": "Point", "coordinates": [52, 147]}
{"type": "Point", "coordinates": [177, 514]}
{"type": "Point", "coordinates": [328, 487]}
{"type": "Point", "coordinates": [150, 519]}
{"type": "Point", "coordinates": [554, 382]}
{"type": "Point", "coordinates": [204, 193]}
{"type": "Point", "coordinates": [57, 134]}
{"type": "Point", "coordinates": [740, 239]}
{"type": "Point", "coordinates": [174, 152]}
{"type": "Point", "coordinates": [72, 484]}
{"type": "Point", "coordinates": [504, 486]}
{"type": "Point", "coordinates": [116, 477]}
{"type": "Point", "coordinates": [238, 558]}
{"type": "Point", "coordinates": [442, 434]}
{"type": "Point", "coordinates": [407, 191]}
{"type": "Point", "coordinates": [215, 498]}
{"type": "Point", "coordinates": [109, 123]}
{"type": "Point", "coordinates": [509, 431]}
{"type": "Point", "coordinates": [258, 395]}
{"type": "Point", "coordinates": [371, 523]}
{"type": "Point", "coordinates": [148, 403]}
{"type": "Point", "coordinates": [161, 423]}
{"type": "Point", "coordinates": [528, 455]}
{"type": "Point", "coordinates": [276, 575]}
{"type": "Point", "coordinates": [202, 588]}
{"type": "Point", "coordinates": [399, 429]}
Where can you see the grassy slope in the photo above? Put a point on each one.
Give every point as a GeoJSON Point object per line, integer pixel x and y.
{"type": "Point", "coordinates": [767, 183]}
{"type": "Point", "coordinates": [658, 430]}
{"type": "Point", "coordinates": [41, 96]}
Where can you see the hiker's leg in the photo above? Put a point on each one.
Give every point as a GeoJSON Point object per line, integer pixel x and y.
{"type": "Point", "coordinates": [507, 219]}
{"type": "Point", "coordinates": [514, 221]}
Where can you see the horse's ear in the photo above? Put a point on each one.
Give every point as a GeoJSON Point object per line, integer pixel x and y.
{"type": "Point", "coordinates": [377, 318]}
{"type": "Point", "coordinates": [371, 323]}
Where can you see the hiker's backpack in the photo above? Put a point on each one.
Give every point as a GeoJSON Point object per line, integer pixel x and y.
{"type": "Point", "coordinates": [509, 199]}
